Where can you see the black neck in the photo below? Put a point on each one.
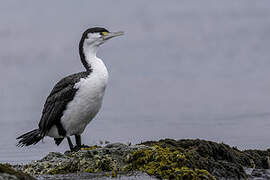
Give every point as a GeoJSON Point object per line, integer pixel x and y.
{"type": "Point", "coordinates": [83, 58]}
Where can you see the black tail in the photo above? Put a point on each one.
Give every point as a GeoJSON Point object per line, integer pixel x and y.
{"type": "Point", "coordinates": [58, 141]}
{"type": "Point", "coordinates": [32, 137]}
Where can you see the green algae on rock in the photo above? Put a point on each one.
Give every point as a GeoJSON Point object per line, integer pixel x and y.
{"type": "Point", "coordinates": [260, 158]}
{"type": "Point", "coordinates": [117, 157]}
{"type": "Point", "coordinates": [7, 172]}
{"type": "Point", "coordinates": [218, 159]}
{"type": "Point", "coordinates": [111, 158]}
{"type": "Point", "coordinates": [165, 163]}
{"type": "Point", "coordinates": [171, 159]}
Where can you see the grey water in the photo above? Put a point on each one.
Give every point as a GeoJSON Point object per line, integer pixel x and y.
{"type": "Point", "coordinates": [184, 69]}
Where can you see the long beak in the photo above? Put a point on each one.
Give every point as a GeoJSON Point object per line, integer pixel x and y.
{"type": "Point", "coordinates": [112, 34]}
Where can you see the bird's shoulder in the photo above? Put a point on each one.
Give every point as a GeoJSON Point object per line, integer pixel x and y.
{"type": "Point", "coordinates": [65, 85]}
{"type": "Point", "coordinates": [68, 82]}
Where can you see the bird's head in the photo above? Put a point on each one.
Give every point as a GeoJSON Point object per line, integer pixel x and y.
{"type": "Point", "coordinates": [96, 36]}
{"type": "Point", "coordinates": [91, 39]}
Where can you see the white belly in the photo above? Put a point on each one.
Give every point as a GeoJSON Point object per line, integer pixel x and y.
{"type": "Point", "coordinates": [86, 103]}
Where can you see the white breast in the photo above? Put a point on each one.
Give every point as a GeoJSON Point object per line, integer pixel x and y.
{"type": "Point", "coordinates": [87, 101]}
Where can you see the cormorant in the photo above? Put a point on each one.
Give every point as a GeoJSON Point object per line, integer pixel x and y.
{"type": "Point", "coordinates": [76, 99]}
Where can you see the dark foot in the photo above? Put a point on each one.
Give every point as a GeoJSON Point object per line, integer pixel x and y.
{"type": "Point", "coordinates": [75, 149]}
{"type": "Point", "coordinates": [85, 146]}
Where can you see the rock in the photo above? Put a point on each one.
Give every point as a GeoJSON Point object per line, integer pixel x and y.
{"type": "Point", "coordinates": [218, 159]}
{"type": "Point", "coordinates": [110, 158]}
{"type": "Point", "coordinates": [166, 159]}
{"type": "Point", "coordinates": [257, 174]}
{"type": "Point", "coordinates": [165, 163]}
{"type": "Point", "coordinates": [98, 176]}
{"type": "Point", "coordinates": [8, 173]}
{"type": "Point", "coordinates": [114, 159]}
{"type": "Point", "coordinates": [260, 158]}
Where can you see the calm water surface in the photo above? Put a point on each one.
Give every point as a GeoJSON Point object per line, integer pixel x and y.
{"type": "Point", "coordinates": [184, 69]}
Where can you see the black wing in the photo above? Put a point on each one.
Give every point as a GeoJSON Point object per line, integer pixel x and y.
{"type": "Point", "coordinates": [62, 93]}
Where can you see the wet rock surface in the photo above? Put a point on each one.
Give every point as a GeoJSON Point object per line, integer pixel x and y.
{"type": "Point", "coordinates": [97, 176]}
{"type": "Point", "coordinates": [169, 159]}
{"type": "Point", "coordinates": [258, 174]}
{"type": "Point", "coordinates": [110, 158]}
{"type": "Point", "coordinates": [8, 173]}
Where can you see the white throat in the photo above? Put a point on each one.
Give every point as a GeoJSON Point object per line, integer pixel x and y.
{"type": "Point", "coordinates": [90, 51]}
{"type": "Point", "coordinates": [95, 63]}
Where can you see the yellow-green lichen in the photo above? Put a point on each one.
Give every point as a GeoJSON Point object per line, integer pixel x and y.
{"type": "Point", "coordinates": [101, 164]}
{"type": "Point", "coordinates": [62, 169]}
{"type": "Point", "coordinates": [90, 148]}
{"type": "Point", "coordinates": [114, 174]}
{"type": "Point", "coordinates": [164, 163]}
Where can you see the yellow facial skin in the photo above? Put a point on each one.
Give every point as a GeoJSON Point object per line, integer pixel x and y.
{"type": "Point", "coordinates": [104, 33]}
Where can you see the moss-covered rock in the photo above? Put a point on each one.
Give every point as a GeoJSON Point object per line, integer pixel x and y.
{"type": "Point", "coordinates": [111, 158]}
{"type": "Point", "coordinates": [217, 158]}
{"type": "Point", "coordinates": [260, 158]}
{"type": "Point", "coordinates": [169, 159]}
{"type": "Point", "coordinates": [165, 163]}
{"type": "Point", "coordinates": [7, 172]}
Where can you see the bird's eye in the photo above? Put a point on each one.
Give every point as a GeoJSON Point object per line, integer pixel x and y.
{"type": "Point", "coordinates": [103, 33]}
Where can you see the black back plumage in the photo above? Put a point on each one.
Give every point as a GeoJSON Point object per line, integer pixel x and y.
{"type": "Point", "coordinates": [62, 93]}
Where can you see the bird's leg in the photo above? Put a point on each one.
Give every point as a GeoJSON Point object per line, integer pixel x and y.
{"type": "Point", "coordinates": [78, 143]}
{"type": "Point", "coordinates": [78, 140]}
{"type": "Point", "coordinates": [70, 144]}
